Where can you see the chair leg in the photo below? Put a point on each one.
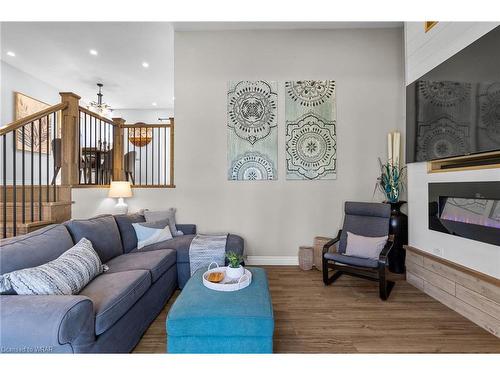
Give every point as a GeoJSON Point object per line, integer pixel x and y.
{"type": "Point", "coordinates": [385, 286]}
{"type": "Point", "coordinates": [56, 172]}
{"type": "Point", "coordinates": [328, 280]}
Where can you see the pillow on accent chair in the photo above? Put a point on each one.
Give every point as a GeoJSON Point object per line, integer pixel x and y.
{"type": "Point", "coordinates": [154, 216]}
{"type": "Point", "coordinates": [149, 233]}
{"type": "Point", "coordinates": [364, 247]}
{"type": "Point", "coordinates": [67, 274]}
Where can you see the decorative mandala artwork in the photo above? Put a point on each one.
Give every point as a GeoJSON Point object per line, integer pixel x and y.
{"type": "Point", "coordinates": [443, 119]}
{"type": "Point", "coordinates": [442, 138]}
{"type": "Point", "coordinates": [252, 110]}
{"type": "Point", "coordinates": [311, 140]}
{"type": "Point", "coordinates": [310, 93]}
{"type": "Point", "coordinates": [252, 128]}
{"type": "Point", "coordinates": [489, 113]}
{"type": "Point", "coordinates": [252, 166]}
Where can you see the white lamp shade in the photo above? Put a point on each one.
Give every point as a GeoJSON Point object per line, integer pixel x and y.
{"type": "Point", "coordinates": [120, 189]}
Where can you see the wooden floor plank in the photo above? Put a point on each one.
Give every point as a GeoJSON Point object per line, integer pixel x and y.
{"type": "Point", "coordinates": [349, 317]}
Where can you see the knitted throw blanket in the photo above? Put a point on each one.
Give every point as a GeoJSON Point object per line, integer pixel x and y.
{"type": "Point", "coordinates": [205, 249]}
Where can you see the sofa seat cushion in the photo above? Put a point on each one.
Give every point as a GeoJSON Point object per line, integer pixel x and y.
{"type": "Point", "coordinates": [352, 261]}
{"type": "Point", "coordinates": [157, 262]}
{"type": "Point", "coordinates": [113, 294]}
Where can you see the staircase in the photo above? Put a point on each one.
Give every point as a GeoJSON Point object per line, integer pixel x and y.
{"type": "Point", "coordinates": [55, 209]}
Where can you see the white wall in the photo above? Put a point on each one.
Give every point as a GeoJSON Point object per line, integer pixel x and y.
{"type": "Point", "coordinates": [275, 217]}
{"type": "Point", "coordinates": [14, 80]}
{"type": "Point", "coordinates": [424, 51]}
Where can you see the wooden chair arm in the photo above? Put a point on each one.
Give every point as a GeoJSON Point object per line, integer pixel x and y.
{"type": "Point", "coordinates": [382, 259]}
{"type": "Point", "coordinates": [330, 243]}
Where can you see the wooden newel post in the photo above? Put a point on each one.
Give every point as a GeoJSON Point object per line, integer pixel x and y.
{"type": "Point", "coordinates": [70, 139]}
{"type": "Point", "coordinates": [118, 174]}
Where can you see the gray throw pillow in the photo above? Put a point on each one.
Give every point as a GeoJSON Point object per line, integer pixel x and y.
{"type": "Point", "coordinates": [155, 216]}
{"type": "Point", "coordinates": [364, 247]}
{"type": "Point", "coordinates": [67, 274]}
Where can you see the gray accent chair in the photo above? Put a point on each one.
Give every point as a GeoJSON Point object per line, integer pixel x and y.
{"type": "Point", "coordinates": [364, 219]}
{"type": "Point", "coordinates": [113, 311]}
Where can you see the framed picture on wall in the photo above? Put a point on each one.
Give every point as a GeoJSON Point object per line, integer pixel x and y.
{"type": "Point", "coordinates": [25, 105]}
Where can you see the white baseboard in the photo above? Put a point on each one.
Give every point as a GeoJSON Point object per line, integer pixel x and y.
{"type": "Point", "coordinates": [256, 260]}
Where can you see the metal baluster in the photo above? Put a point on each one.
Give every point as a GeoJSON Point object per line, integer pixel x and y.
{"type": "Point", "coordinates": [14, 185]}
{"type": "Point", "coordinates": [152, 156]}
{"type": "Point", "coordinates": [135, 167]}
{"type": "Point", "coordinates": [54, 136]}
{"type": "Point", "coordinates": [79, 146]}
{"type": "Point", "coordinates": [32, 193]}
{"type": "Point", "coordinates": [4, 208]}
{"type": "Point", "coordinates": [165, 154]}
{"type": "Point", "coordinates": [140, 156]}
{"type": "Point", "coordinates": [159, 155]}
{"type": "Point", "coordinates": [146, 167]}
{"type": "Point", "coordinates": [85, 146]}
{"type": "Point", "coordinates": [40, 169]}
{"type": "Point", "coordinates": [47, 161]}
{"type": "Point", "coordinates": [89, 152]}
{"type": "Point", "coordinates": [24, 182]}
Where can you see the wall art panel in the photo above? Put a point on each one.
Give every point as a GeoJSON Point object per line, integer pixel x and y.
{"type": "Point", "coordinates": [311, 140]}
{"type": "Point", "coordinates": [252, 130]}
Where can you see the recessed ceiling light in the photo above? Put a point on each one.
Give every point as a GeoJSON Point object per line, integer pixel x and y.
{"type": "Point", "coordinates": [93, 52]}
{"type": "Point", "coordinates": [154, 103]}
{"type": "Point", "coordinates": [173, 97]}
{"type": "Point", "coordinates": [11, 54]}
{"type": "Point", "coordinates": [145, 64]}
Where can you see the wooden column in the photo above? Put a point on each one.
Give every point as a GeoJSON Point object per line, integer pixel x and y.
{"type": "Point", "coordinates": [118, 174]}
{"type": "Point", "coordinates": [70, 139]}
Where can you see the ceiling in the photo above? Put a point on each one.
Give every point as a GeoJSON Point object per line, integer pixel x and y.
{"type": "Point", "coordinates": [58, 53]}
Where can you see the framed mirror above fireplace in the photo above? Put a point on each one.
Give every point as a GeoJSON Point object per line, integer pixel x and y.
{"type": "Point", "coordinates": [466, 209]}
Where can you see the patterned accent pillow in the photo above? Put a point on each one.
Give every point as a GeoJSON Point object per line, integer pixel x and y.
{"type": "Point", "coordinates": [67, 274]}
{"type": "Point", "coordinates": [154, 216]}
{"type": "Point", "coordinates": [149, 233]}
{"type": "Point", "coordinates": [364, 247]}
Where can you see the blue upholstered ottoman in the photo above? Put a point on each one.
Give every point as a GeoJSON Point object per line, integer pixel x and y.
{"type": "Point", "coordinates": [206, 321]}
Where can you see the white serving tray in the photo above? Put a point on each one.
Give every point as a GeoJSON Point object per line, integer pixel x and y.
{"type": "Point", "coordinates": [227, 285]}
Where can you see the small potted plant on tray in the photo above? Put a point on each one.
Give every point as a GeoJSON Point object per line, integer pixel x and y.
{"type": "Point", "coordinates": [234, 269]}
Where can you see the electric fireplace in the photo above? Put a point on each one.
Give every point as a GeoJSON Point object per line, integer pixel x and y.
{"type": "Point", "coordinates": [466, 209]}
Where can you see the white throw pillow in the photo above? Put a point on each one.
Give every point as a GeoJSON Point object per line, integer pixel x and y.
{"type": "Point", "coordinates": [364, 247]}
{"type": "Point", "coordinates": [150, 233]}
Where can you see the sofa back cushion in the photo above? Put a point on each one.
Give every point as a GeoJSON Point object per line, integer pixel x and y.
{"type": "Point", "coordinates": [365, 219]}
{"type": "Point", "coordinates": [102, 231]}
{"type": "Point", "coordinates": [127, 231]}
{"type": "Point", "coordinates": [34, 249]}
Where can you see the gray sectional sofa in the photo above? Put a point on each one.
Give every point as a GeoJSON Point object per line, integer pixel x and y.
{"type": "Point", "coordinates": [114, 310]}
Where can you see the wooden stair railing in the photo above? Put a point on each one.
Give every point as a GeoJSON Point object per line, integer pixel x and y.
{"type": "Point", "coordinates": [30, 197]}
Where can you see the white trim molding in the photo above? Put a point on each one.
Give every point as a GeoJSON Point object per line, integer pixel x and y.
{"type": "Point", "coordinates": [255, 260]}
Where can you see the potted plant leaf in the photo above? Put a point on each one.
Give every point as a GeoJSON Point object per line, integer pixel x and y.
{"type": "Point", "coordinates": [234, 269]}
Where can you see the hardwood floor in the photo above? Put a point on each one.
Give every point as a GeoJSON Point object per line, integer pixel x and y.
{"type": "Point", "coordinates": [349, 317]}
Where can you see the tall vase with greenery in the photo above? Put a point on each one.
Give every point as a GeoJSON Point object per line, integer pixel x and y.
{"type": "Point", "coordinates": [391, 181]}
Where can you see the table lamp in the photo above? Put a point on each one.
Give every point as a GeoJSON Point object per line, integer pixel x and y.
{"type": "Point", "coordinates": [120, 190]}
